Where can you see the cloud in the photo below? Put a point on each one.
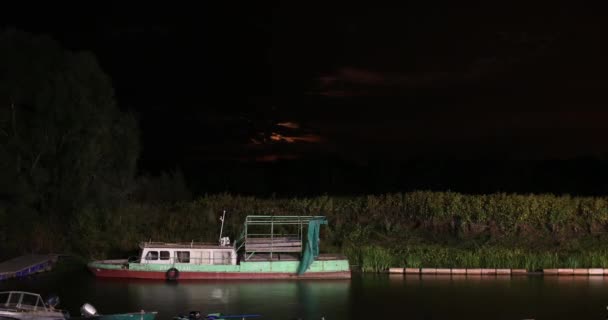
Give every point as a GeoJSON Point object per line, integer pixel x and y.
{"type": "Point", "coordinates": [353, 81]}
{"type": "Point", "coordinates": [311, 138]}
{"type": "Point", "coordinates": [290, 125]}
{"type": "Point", "coordinates": [505, 51]}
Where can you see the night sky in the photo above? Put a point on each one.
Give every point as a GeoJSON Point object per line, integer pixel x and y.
{"type": "Point", "coordinates": [472, 98]}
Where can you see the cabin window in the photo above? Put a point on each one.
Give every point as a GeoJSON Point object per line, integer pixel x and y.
{"type": "Point", "coordinates": [152, 255]}
{"type": "Point", "coordinates": [165, 255]}
{"type": "Point", "coordinates": [14, 300]}
{"type": "Point", "coordinates": [3, 298]}
{"type": "Point", "coordinates": [29, 300]}
{"type": "Point", "coordinates": [183, 256]}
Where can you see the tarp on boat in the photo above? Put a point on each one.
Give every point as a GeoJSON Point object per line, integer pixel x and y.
{"type": "Point", "coordinates": [311, 250]}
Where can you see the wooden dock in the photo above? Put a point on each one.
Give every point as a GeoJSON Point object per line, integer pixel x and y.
{"type": "Point", "coordinates": [476, 271]}
{"type": "Point", "coordinates": [26, 265]}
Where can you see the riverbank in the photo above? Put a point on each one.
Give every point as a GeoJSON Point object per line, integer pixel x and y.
{"type": "Point", "coordinates": [376, 258]}
{"type": "Point", "coordinates": [500, 272]}
{"type": "Point", "coordinates": [410, 230]}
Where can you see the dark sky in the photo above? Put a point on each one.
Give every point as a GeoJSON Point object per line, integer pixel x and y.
{"type": "Point", "coordinates": [424, 80]}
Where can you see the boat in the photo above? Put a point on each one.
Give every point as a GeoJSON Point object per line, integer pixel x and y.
{"type": "Point", "coordinates": [270, 247]}
{"type": "Point", "coordinates": [219, 316]}
{"type": "Point", "coordinates": [148, 315]}
{"type": "Point", "coordinates": [21, 305]}
{"type": "Point", "coordinates": [87, 311]}
{"type": "Point", "coordinates": [196, 315]}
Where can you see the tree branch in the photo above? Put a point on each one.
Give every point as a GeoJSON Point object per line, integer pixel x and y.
{"type": "Point", "coordinates": [14, 122]}
{"type": "Point", "coordinates": [35, 163]}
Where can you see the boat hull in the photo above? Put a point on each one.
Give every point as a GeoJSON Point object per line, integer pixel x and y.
{"type": "Point", "coordinates": [193, 275]}
{"type": "Point", "coordinates": [328, 269]}
{"type": "Point", "coordinates": [6, 315]}
{"type": "Point", "coordinates": [127, 316]}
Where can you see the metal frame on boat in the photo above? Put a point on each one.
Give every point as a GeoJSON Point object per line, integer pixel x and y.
{"type": "Point", "coordinates": [269, 242]}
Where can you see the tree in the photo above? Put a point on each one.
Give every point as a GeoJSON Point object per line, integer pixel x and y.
{"type": "Point", "coordinates": [64, 143]}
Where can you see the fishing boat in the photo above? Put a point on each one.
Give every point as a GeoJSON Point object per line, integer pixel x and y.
{"type": "Point", "coordinates": [270, 247]}
{"type": "Point", "coordinates": [196, 315]}
{"type": "Point", "coordinates": [89, 312]}
{"type": "Point", "coordinates": [148, 315]}
{"type": "Point", "coordinates": [21, 305]}
{"type": "Point", "coordinates": [219, 316]}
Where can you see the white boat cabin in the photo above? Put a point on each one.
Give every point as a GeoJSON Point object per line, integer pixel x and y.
{"type": "Point", "coordinates": [190, 253]}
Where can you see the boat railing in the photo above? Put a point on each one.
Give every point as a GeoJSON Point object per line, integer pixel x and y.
{"type": "Point", "coordinates": [279, 244]}
{"type": "Point", "coordinates": [275, 234]}
{"type": "Point", "coordinates": [21, 300]}
{"type": "Point", "coordinates": [192, 244]}
{"type": "Point", "coordinates": [280, 220]}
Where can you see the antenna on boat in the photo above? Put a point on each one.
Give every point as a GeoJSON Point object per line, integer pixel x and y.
{"type": "Point", "coordinates": [222, 227]}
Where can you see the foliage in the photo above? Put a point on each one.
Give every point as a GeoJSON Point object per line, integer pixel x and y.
{"type": "Point", "coordinates": [168, 187]}
{"type": "Point", "coordinates": [64, 144]}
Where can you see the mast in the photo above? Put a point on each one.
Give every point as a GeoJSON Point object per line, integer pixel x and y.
{"type": "Point", "coordinates": [222, 227]}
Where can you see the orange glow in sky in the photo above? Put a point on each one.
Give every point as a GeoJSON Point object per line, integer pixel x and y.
{"type": "Point", "coordinates": [291, 125]}
{"type": "Point", "coordinates": [291, 139]}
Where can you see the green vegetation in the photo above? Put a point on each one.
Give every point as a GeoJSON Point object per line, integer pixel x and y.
{"type": "Point", "coordinates": [442, 257]}
{"type": "Point", "coordinates": [420, 229]}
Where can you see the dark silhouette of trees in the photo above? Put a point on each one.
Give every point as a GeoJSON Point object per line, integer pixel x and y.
{"type": "Point", "coordinates": [64, 143]}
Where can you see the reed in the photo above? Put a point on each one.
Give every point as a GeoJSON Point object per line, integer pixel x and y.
{"type": "Point", "coordinates": [375, 259]}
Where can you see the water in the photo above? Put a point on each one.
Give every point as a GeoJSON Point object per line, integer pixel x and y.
{"type": "Point", "coordinates": [363, 297]}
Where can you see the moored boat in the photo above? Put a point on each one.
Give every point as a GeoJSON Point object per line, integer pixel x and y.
{"type": "Point", "coordinates": [261, 253]}
{"type": "Point", "coordinates": [89, 312]}
{"type": "Point", "coordinates": [149, 315]}
{"type": "Point", "coordinates": [196, 315]}
{"type": "Point", "coordinates": [219, 316]}
{"type": "Point", "coordinates": [21, 305]}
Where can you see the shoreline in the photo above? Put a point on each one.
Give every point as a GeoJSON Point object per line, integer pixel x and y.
{"type": "Point", "coordinates": [501, 272]}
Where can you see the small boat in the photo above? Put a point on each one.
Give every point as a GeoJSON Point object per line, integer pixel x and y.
{"type": "Point", "coordinates": [21, 305]}
{"type": "Point", "coordinates": [89, 312]}
{"type": "Point", "coordinates": [219, 316]}
{"type": "Point", "coordinates": [195, 315]}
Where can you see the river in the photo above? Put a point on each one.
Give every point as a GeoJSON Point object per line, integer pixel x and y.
{"type": "Point", "coordinates": [363, 297]}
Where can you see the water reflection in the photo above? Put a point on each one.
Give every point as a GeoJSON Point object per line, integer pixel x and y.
{"type": "Point", "coordinates": [281, 299]}
{"type": "Point", "coordinates": [363, 297]}
{"type": "Point", "coordinates": [493, 296]}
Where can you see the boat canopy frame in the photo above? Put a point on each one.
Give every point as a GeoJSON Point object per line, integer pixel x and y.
{"type": "Point", "coordinates": [270, 242]}
{"type": "Point", "coordinates": [22, 304]}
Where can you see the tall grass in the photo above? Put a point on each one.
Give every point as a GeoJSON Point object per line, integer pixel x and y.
{"type": "Point", "coordinates": [376, 259]}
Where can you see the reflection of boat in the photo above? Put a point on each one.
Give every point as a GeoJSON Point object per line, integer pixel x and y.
{"type": "Point", "coordinates": [88, 312]}
{"type": "Point", "coordinates": [271, 247]}
{"type": "Point", "coordinates": [195, 315]}
{"type": "Point", "coordinates": [20, 305]}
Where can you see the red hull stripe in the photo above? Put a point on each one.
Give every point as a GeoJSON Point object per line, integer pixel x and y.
{"type": "Point", "coordinates": [110, 273]}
